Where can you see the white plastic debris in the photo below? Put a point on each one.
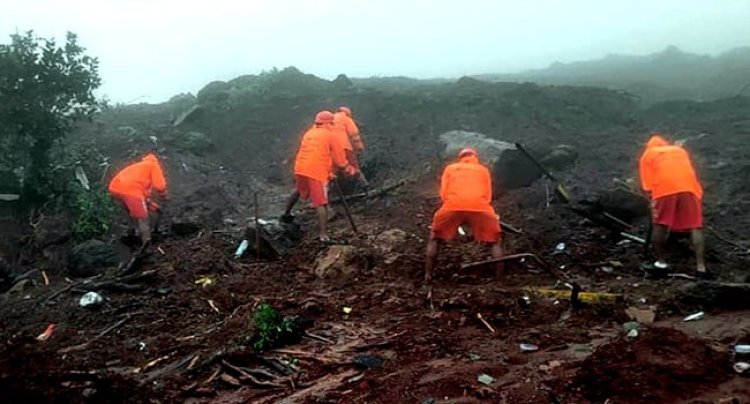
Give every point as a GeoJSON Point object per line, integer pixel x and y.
{"type": "Point", "coordinates": [241, 249]}
{"type": "Point", "coordinates": [485, 379]}
{"type": "Point", "coordinates": [633, 333]}
{"type": "Point", "coordinates": [91, 299]}
{"type": "Point", "coordinates": [741, 367]}
{"type": "Point", "coordinates": [528, 347]}
{"type": "Point", "coordinates": [461, 230]}
{"type": "Point", "coordinates": [742, 349]}
{"type": "Point", "coordinates": [559, 248]}
{"type": "Point", "coordinates": [694, 317]}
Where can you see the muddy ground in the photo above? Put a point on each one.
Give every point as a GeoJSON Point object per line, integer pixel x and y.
{"type": "Point", "coordinates": [374, 332]}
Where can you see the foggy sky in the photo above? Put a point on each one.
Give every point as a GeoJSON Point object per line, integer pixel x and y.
{"type": "Point", "coordinates": [150, 50]}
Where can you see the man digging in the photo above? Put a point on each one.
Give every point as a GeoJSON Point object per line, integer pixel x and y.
{"type": "Point", "coordinates": [466, 193]}
{"type": "Point", "coordinates": [668, 176]}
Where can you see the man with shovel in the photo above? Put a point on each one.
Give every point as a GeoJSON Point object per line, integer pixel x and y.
{"type": "Point", "coordinates": [313, 168]}
{"type": "Point", "coordinates": [347, 137]}
{"type": "Point", "coordinates": [133, 187]}
{"type": "Point", "coordinates": [667, 175]}
{"type": "Point", "coordinates": [466, 193]}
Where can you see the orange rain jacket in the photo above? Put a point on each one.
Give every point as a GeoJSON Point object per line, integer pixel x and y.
{"type": "Point", "coordinates": [666, 170]}
{"type": "Point", "coordinates": [466, 186]}
{"type": "Point", "coordinates": [318, 153]}
{"type": "Point", "coordinates": [347, 132]}
{"type": "Point", "coordinates": [139, 179]}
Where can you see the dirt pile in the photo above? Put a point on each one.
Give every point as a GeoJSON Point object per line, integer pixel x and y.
{"type": "Point", "coordinates": [660, 365]}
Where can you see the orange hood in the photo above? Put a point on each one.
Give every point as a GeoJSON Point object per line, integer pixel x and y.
{"type": "Point", "coordinates": [469, 159]}
{"type": "Point", "coordinates": [656, 141]}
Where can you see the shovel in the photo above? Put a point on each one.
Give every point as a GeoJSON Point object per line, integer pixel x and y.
{"type": "Point", "coordinates": [559, 189]}
{"type": "Point", "coordinates": [346, 206]}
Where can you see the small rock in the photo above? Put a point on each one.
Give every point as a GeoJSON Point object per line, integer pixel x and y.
{"type": "Point", "coordinates": [550, 366]}
{"type": "Point", "coordinates": [91, 300]}
{"type": "Point", "coordinates": [643, 316]}
{"type": "Point", "coordinates": [368, 361]}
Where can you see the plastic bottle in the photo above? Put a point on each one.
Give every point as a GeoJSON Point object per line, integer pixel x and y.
{"type": "Point", "coordinates": [241, 249]}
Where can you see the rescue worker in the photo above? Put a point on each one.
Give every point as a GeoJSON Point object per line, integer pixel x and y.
{"type": "Point", "coordinates": [676, 200]}
{"type": "Point", "coordinates": [348, 138]}
{"type": "Point", "coordinates": [133, 187]}
{"type": "Point", "coordinates": [313, 168]}
{"type": "Point", "coordinates": [466, 193]}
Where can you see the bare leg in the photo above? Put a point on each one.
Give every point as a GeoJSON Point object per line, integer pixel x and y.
{"type": "Point", "coordinates": [322, 212]}
{"type": "Point", "coordinates": [696, 237]}
{"type": "Point", "coordinates": [658, 238]}
{"type": "Point", "coordinates": [290, 202]}
{"type": "Point", "coordinates": [433, 248]}
{"type": "Point", "coordinates": [145, 229]}
{"type": "Point", "coordinates": [497, 252]}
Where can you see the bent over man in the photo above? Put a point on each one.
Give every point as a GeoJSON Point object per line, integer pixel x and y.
{"type": "Point", "coordinates": [466, 193]}
{"type": "Point", "coordinates": [313, 167]}
{"type": "Point", "coordinates": [133, 187]}
{"type": "Point", "coordinates": [668, 176]}
{"type": "Point", "coordinates": [346, 134]}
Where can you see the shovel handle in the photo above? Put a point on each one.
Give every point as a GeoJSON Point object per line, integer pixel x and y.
{"type": "Point", "coordinates": [536, 162]}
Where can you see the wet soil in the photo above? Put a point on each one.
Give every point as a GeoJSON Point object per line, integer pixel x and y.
{"type": "Point", "coordinates": [377, 333]}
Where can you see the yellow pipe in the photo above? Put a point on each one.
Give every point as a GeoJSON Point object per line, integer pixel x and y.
{"type": "Point", "coordinates": [586, 297]}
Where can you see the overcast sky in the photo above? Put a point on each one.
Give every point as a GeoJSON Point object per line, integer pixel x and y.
{"type": "Point", "coordinates": [150, 50]}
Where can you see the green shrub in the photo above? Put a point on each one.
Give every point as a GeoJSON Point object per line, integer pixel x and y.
{"type": "Point", "coordinates": [93, 211]}
{"type": "Point", "coordinates": [270, 327]}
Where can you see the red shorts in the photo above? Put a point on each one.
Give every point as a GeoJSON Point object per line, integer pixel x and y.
{"type": "Point", "coordinates": [312, 189]}
{"type": "Point", "coordinates": [135, 204]}
{"type": "Point", "coordinates": [351, 157]}
{"type": "Point", "coordinates": [679, 212]}
{"type": "Point", "coordinates": [484, 225]}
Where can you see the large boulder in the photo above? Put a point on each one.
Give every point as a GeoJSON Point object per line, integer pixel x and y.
{"type": "Point", "coordinates": [52, 230]}
{"type": "Point", "coordinates": [91, 258]}
{"type": "Point", "coordinates": [202, 209]}
{"type": "Point", "coordinates": [511, 168]}
{"type": "Point", "coordinates": [195, 142]}
{"type": "Point", "coordinates": [623, 203]}
{"type": "Point", "coordinates": [490, 150]}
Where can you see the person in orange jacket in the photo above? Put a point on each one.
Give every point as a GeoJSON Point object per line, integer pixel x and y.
{"type": "Point", "coordinates": [347, 137]}
{"type": "Point", "coordinates": [466, 193]}
{"type": "Point", "coordinates": [667, 175]}
{"type": "Point", "coordinates": [133, 186]}
{"type": "Point", "coordinates": [318, 155]}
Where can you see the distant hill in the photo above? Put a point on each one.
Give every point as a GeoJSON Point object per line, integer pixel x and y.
{"type": "Point", "coordinates": [669, 74]}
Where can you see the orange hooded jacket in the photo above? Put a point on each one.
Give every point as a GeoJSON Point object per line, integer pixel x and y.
{"type": "Point", "coordinates": [466, 186]}
{"type": "Point", "coordinates": [318, 153]}
{"type": "Point", "coordinates": [139, 179]}
{"type": "Point", "coordinates": [666, 170]}
{"type": "Point", "coordinates": [347, 132]}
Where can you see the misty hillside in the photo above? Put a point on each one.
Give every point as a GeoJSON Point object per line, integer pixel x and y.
{"type": "Point", "coordinates": [669, 74]}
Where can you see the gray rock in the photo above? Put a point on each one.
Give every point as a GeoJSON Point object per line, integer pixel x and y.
{"type": "Point", "coordinates": [196, 142]}
{"type": "Point", "coordinates": [489, 150]}
{"type": "Point", "coordinates": [91, 258]}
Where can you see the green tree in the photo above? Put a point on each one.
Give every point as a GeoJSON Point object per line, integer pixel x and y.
{"type": "Point", "coordinates": [44, 90]}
